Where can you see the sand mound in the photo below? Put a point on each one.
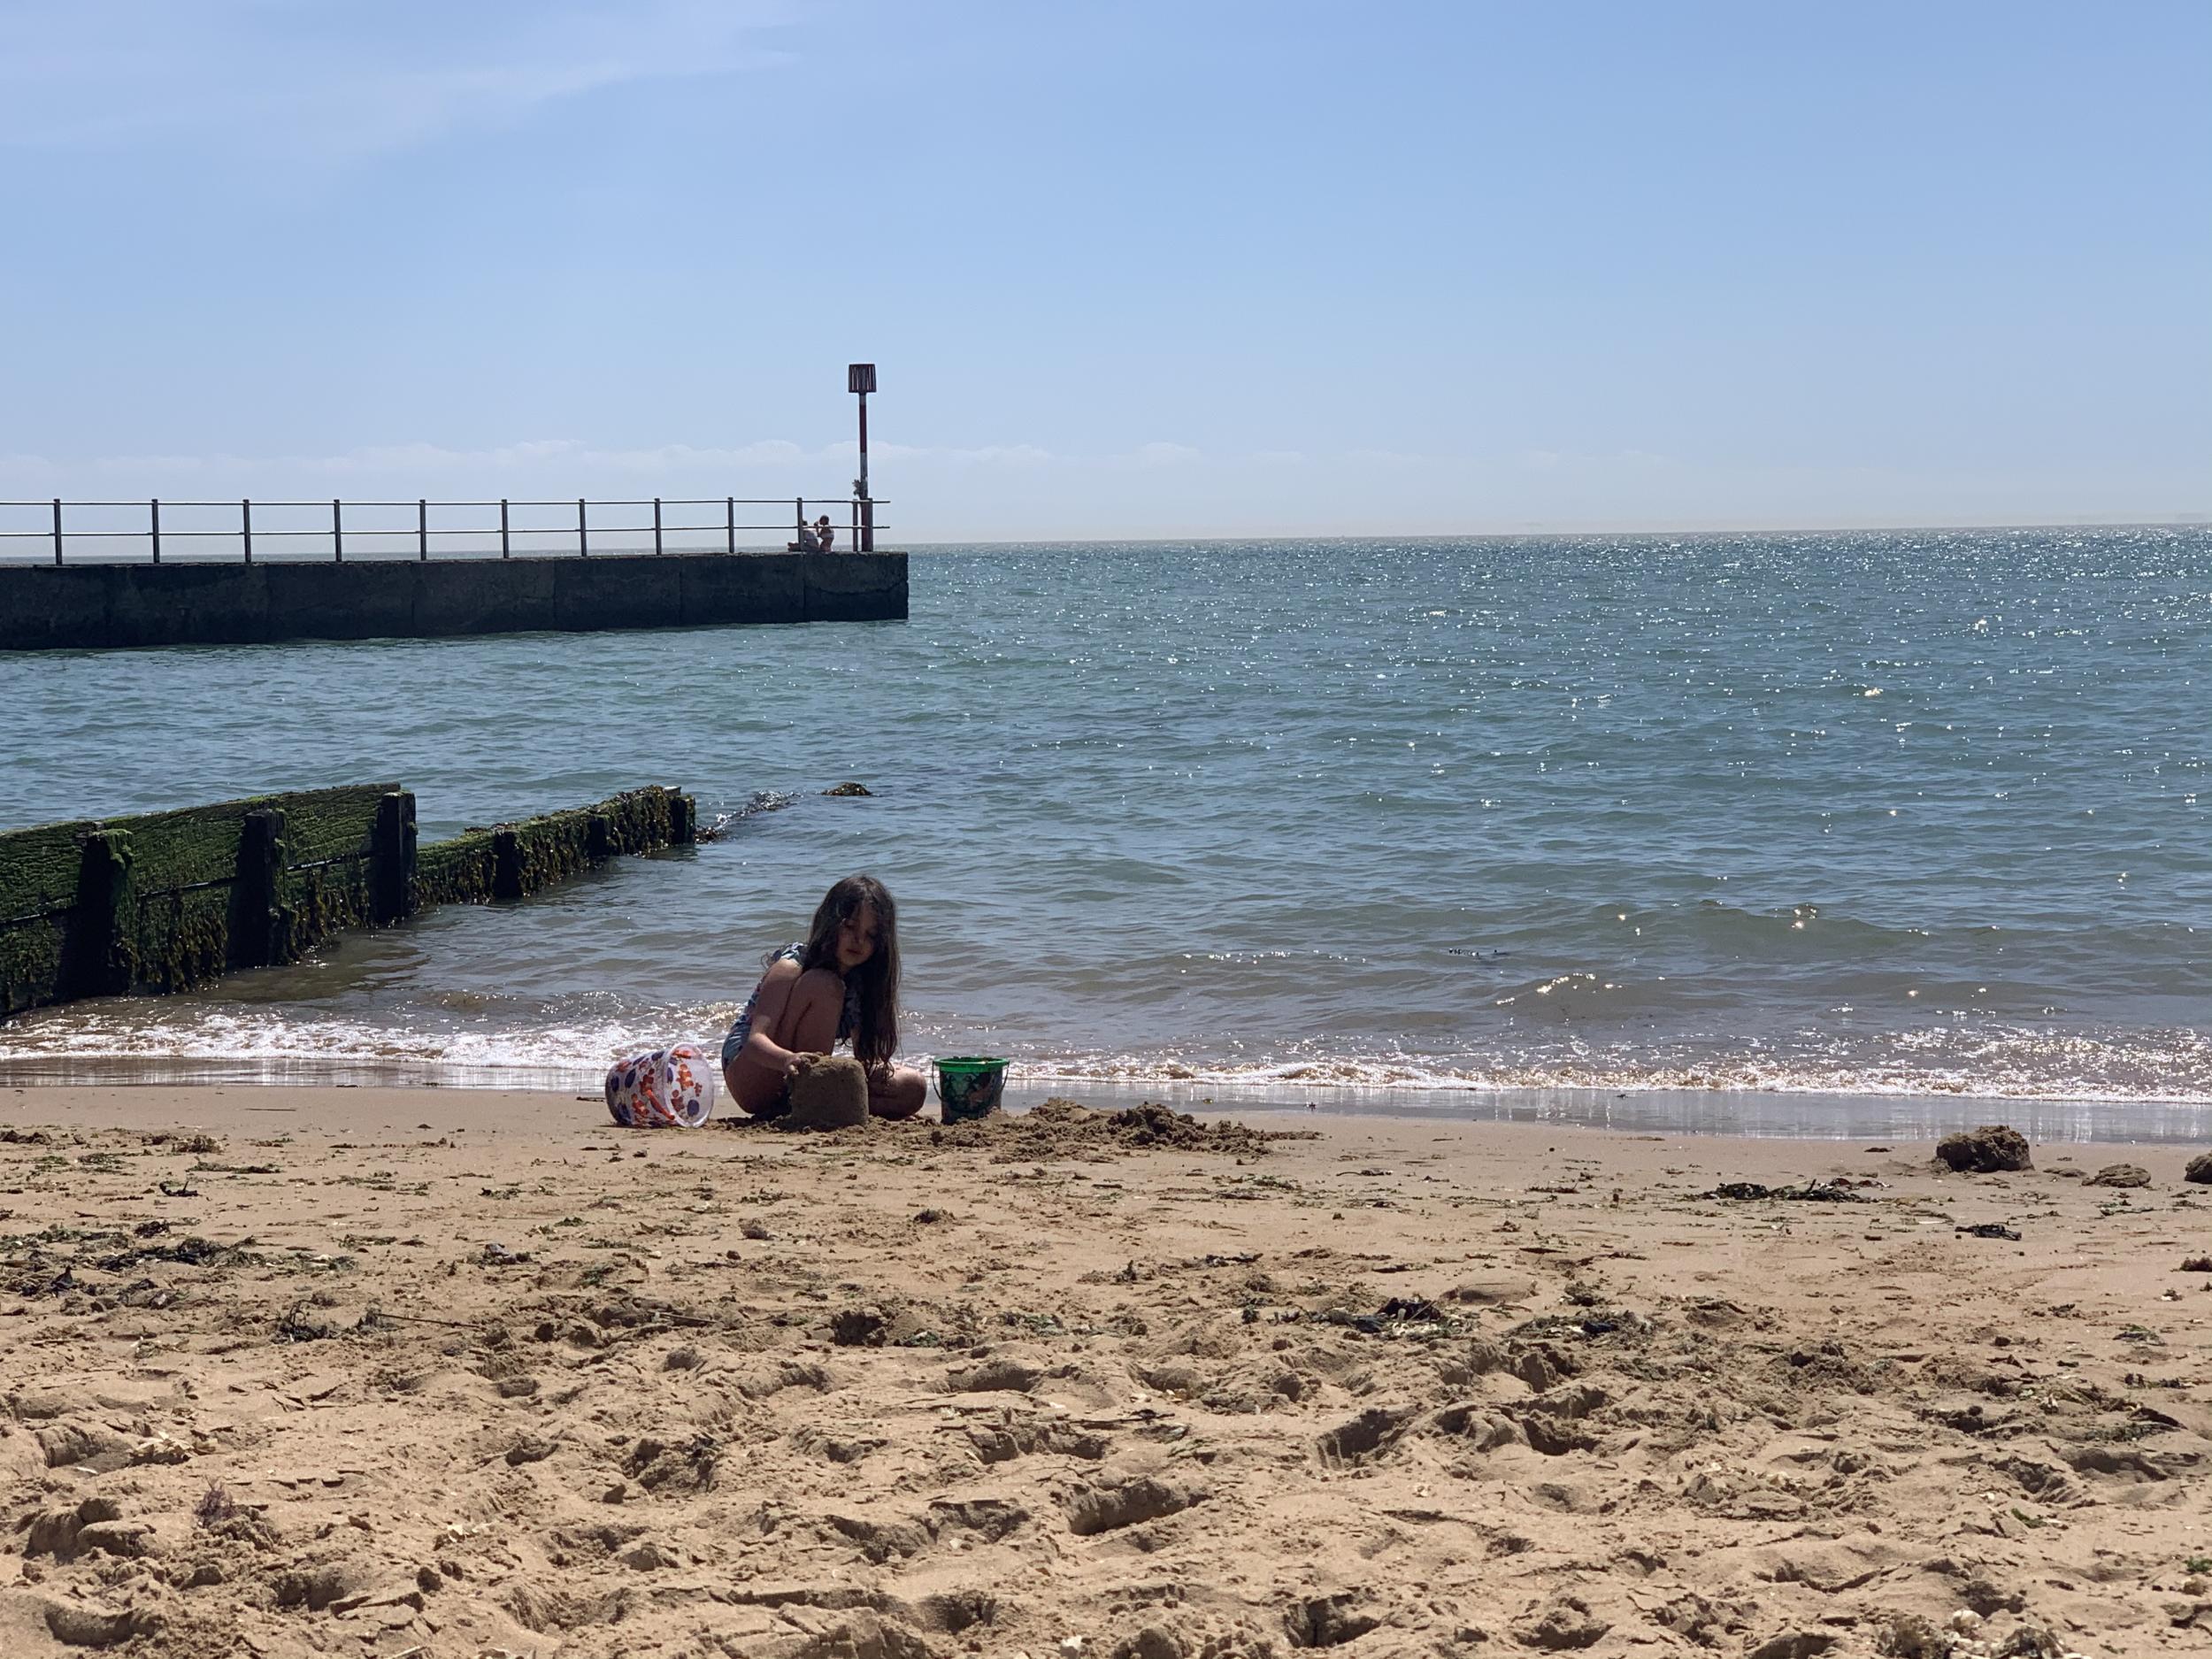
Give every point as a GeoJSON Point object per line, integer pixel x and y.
{"type": "Point", "coordinates": [828, 1091]}
{"type": "Point", "coordinates": [1064, 1128]}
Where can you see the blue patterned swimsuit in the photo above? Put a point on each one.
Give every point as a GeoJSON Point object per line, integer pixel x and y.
{"type": "Point", "coordinates": [847, 1022]}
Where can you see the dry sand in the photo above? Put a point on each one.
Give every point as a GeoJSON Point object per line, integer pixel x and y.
{"type": "Point", "coordinates": [446, 1374]}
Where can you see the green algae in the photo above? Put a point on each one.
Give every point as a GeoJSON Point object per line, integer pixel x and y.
{"type": "Point", "coordinates": [163, 902]}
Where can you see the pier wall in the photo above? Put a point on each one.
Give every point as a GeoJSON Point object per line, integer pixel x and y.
{"type": "Point", "coordinates": [165, 901]}
{"type": "Point", "coordinates": [90, 607]}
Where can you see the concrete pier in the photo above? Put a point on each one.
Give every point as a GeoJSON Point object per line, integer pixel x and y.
{"type": "Point", "coordinates": [92, 607]}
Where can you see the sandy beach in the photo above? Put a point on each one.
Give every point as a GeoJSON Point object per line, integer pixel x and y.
{"type": "Point", "coordinates": [451, 1374]}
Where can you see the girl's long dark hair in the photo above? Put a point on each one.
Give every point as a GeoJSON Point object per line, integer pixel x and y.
{"type": "Point", "coordinates": [876, 1038]}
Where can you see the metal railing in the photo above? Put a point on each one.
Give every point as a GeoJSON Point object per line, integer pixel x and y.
{"type": "Point", "coordinates": [374, 540]}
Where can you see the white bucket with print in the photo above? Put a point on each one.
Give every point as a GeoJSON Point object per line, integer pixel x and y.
{"type": "Point", "coordinates": [666, 1088]}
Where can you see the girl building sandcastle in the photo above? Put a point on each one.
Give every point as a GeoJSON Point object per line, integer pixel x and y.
{"type": "Point", "coordinates": [841, 984]}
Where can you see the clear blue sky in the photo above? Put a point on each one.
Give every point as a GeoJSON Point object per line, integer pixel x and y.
{"type": "Point", "coordinates": [1200, 267]}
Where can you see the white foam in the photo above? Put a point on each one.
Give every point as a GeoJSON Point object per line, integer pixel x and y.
{"type": "Point", "coordinates": [246, 1043]}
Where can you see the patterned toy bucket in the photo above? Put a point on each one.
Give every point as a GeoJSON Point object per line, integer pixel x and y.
{"type": "Point", "coordinates": [969, 1087]}
{"type": "Point", "coordinates": [666, 1088]}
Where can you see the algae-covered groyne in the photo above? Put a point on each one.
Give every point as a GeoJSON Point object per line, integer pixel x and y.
{"type": "Point", "coordinates": [165, 901]}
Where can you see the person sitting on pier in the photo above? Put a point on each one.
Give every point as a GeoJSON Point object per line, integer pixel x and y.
{"type": "Point", "coordinates": [841, 985]}
{"type": "Point", "coordinates": [807, 541]}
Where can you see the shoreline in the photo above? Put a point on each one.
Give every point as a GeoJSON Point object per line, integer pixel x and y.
{"type": "Point", "coordinates": [460, 1370]}
{"type": "Point", "coordinates": [1757, 1114]}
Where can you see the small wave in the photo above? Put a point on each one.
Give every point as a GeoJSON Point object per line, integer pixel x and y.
{"type": "Point", "coordinates": [2167, 1067]}
{"type": "Point", "coordinates": [247, 1040]}
{"type": "Point", "coordinates": [2134, 1077]}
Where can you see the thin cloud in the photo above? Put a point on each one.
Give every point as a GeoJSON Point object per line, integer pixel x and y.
{"type": "Point", "coordinates": [771, 454]}
{"type": "Point", "coordinates": [341, 81]}
{"type": "Point", "coordinates": [568, 454]}
{"type": "Point", "coordinates": [985, 455]}
{"type": "Point", "coordinates": [1165, 454]}
{"type": "Point", "coordinates": [571, 465]}
{"type": "Point", "coordinates": [1389, 460]}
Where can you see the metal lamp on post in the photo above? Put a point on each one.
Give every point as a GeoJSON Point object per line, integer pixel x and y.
{"type": "Point", "coordinates": [860, 380]}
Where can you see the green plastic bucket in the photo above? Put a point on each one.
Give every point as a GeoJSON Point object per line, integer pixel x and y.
{"type": "Point", "coordinates": [969, 1087]}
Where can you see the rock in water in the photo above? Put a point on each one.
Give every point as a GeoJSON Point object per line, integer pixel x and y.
{"type": "Point", "coordinates": [828, 1091]}
{"type": "Point", "coordinates": [2199, 1169]}
{"type": "Point", "coordinates": [2121, 1175]}
{"type": "Point", "coordinates": [1980, 1151]}
{"type": "Point", "coordinates": [850, 790]}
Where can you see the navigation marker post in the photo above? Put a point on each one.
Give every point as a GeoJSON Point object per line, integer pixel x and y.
{"type": "Point", "coordinates": [860, 380]}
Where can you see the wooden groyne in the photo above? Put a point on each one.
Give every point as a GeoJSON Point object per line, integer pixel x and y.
{"type": "Point", "coordinates": [165, 901]}
{"type": "Point", "coordinates": [92, 607]}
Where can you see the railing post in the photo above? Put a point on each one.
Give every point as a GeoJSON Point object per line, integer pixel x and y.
{"type": "Point", "coordinates": [852, 536]}
{"type": "Point", "coordinates": [422, 530]}
{"type": "Point", "coordinates": [245, 527]}
{"type": "Point", "coordinates": [729, 525]}
{"type": "Point", "coordinates": [504, 547]}
{"type": "Point", "coordinates": [154, 507]}
{"type": "Point", "coordinates": [657, 524]}
{"type": "Point", "coordinates": [798, 530]}
{"type": "Point", "coordinates": [56, 529]}
{"type": "Point", "coordinates": [337, 534]}
{"type": "Point", "coordinates": [583, 536]}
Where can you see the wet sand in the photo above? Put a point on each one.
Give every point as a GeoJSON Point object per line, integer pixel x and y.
{"type": "Point", "coordinates": [386, 1371]}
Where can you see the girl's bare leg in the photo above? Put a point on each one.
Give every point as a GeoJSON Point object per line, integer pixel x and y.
{"type": "Point", "coordinates": [809, 1026]}
{"type": "Point", "coordinates": [755, 1088]}
{"type": "Point", "coordinates": [896, 1091]}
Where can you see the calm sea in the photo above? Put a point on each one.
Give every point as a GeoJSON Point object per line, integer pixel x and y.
{"type": "Point", "coordinates": [1898, 815]}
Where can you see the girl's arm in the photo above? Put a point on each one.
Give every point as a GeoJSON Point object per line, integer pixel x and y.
{"type": "Point", "coordinates": [770, 1002]}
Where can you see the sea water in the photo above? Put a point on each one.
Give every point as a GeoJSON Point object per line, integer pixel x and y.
{"type": "Point", "coordinates": [1900, 815]}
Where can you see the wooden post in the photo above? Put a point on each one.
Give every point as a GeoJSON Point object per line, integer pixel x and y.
{"type": "Point", "coordinates": [56, 529]}
{"type": "Point", "coordinates": [683, 820]}
{"type": "Point", "coordinates": [506, 863]}
{"type": "Point", "coordinates": [100, 949]}
{"type": "Point", "coordinates": [657, 524]}
{"type": "Point", "coordinates": [422, 531]}
{"type": "Point", "coordinates": [583, 536]}
{"type": "Point", "coordinates": [729, 521]}
{"type": "Point", "coordinates": [392, 859]}
{"type": "Point", "coordinates": [245, 527]}
{"type": "Point", "coordinates": [504, 548]}
{"type": "Point", "coordinates": [599, 838]}
{"type": "Point", "coordinates": [155, 508]}
{"type": "Point", "coordinates": [337, 534]}
{"type": "Point", "coordinates": [260, 921]}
